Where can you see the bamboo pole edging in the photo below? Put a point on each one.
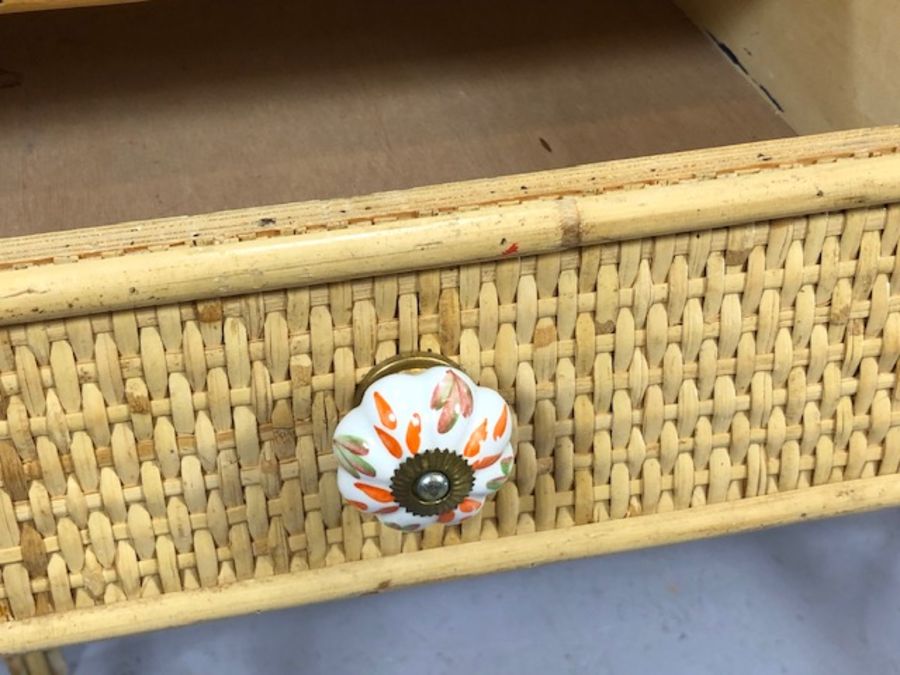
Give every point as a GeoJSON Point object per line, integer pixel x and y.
{"type": "Point", "coordinates": [481, 557]}
{"type": "Point", "coordinates": [191, 273]}
{"type": "Point", "coordinates": [284, 219]}
{"type": "Point", "coordinates": [13, 6]}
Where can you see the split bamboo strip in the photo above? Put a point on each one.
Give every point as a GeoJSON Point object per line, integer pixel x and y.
{"type": "Point", "coordinates": [37, 663]}
{"type": "Point", "coordinates": [483, 557]}
{"type": "Point", "coordinates": [12, 6]}
{"type": "Point", "coordinates": [179, 275]}
{"type": "Point", "coordinates": [298, 218]}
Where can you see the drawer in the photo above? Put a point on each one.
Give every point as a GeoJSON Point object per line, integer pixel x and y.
{"type": "Point", "coordinates": [674, 257]}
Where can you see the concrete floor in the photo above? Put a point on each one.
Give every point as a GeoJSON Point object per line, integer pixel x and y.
{"type": "Point", "coordinates": [816, 598]}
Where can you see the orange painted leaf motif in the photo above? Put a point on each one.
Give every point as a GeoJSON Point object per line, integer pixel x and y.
{"type": "Point", "coordinates": [375, 492]}
{"type": "Point", "coordinates": [385, 412]}
{"type": "Point", "coordinates": [446, 516]}
{"type": "Point", "coordinates": [414, 527]}
{"type": "Point", "coordinates": [388, 509]}
{"type": "Point", "coordinates": [485, 462]}
{"type": "Point", "coordinates": [500, 427]}
{"type": "Point", "coordinates": [391, 443]}
{"type": "Point", "coordinates": [453, 397]}
{"type": "Point", "coordinates": [469, 505]}
{"type": "Point", "coordinates": [414, 433]}
{"type": "Point", "coordinates": [357, 505]}
{"type": "Point", "coordinates": [473, 446]}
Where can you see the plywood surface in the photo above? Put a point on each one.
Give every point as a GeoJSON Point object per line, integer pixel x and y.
{"type": "Point", "coordinates": [830, 64]}
{"type": "Point", "coordinates": [187, 106]}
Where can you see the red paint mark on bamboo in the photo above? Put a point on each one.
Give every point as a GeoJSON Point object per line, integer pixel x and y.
{"type": "Point", "coordinates": [513, 249]}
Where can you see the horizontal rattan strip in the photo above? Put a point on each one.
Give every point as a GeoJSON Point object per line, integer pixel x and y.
{"type": "Point", "coordinates": [485, 234]}
{"type": "Point", "coordinates": [377, 575]}
{"type": "Point", "coordinates": [165, 449]}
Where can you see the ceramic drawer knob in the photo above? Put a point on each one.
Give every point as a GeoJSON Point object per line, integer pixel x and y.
{"type": "Point", "coordinates": [424, 444]}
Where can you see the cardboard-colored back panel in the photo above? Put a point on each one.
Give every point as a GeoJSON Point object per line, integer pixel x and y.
{"type": "Point", "coordinates": [829, 64]}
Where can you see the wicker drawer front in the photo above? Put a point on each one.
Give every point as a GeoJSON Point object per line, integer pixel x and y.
{"type": "Point", "coordinates": [150, 451]}
{"type": "Point", "coordinates": [188, 445]}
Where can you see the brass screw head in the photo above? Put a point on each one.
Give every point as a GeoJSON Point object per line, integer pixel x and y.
{"type": "Point", "coordinates": [432, 482]}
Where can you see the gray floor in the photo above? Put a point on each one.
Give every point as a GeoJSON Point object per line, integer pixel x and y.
{"type": "Point", "coordinates": [815, 598]}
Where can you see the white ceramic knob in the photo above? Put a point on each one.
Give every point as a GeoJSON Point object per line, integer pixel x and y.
{"type": "Point", "coordinates": [425, 445]}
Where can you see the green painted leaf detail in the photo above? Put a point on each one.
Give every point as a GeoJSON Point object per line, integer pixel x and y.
{"type": "Point", "coordinates": [496, 483]}
{"type": "Point", "coordinates": [348, 451]}
{"type": "Point", "coordinates": [505, 465]}
{"type": "Point", "coordinates": [353, 444]}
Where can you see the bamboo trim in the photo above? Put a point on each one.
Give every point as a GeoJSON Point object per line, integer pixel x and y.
{"type": "Point", "coordinates": [373, 576]}
{"type": "Point", "coordinates": [183, 274]}
{"type": "Point", "coordinates": [37, 663]}
{"type": "Point", "coordinates": [128, 238]}
{"type": "Point", "coordinates": [13, 6]}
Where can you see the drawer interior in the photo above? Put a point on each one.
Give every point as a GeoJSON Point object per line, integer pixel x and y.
{"type": "Point", "coordinates": [137, 111]}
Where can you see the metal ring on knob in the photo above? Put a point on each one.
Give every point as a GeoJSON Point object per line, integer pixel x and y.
{"type": "Point", "coordinates": [399, 364]}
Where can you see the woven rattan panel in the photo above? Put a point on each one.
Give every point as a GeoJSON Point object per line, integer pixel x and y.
{"type": "Point", "coordinates": [188, 446]}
